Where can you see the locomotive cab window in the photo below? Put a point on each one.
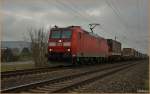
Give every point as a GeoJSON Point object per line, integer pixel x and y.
{"type": "Point", "coordinates": [66, 34]}
{"type": "Point", "coordinates": [60, 34]}
{"type": "Point", "coordinates": [55, 34]}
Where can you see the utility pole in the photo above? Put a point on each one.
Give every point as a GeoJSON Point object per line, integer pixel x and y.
{"type": "Point", "coordinates": [92, 26]}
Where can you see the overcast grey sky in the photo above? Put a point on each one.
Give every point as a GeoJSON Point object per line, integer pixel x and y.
{"type": "Point", "coordinates": [126, 19]}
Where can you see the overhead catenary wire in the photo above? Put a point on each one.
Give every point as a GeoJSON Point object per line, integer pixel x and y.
{"type": "Point", "coordinates": [80, 14]}
{"type": "Point", "coordinates": [88, 16]}
{"type": "Point", "coordinates": [118, 14]}
{"type": "Point", "coordinates": [95, 19]}
{"type": "Point", "coordinates": [77, 12]}
{"type": "Point", "coordinates": [73, 10]}
{"type": "Point", "coordinates": [138, 20]}
{"type": "Point", "coordinates": [62, 6]}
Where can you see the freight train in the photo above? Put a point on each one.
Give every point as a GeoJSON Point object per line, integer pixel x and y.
{"type": "Point", "coordinates": [132, 54]}
{"type": "Point", "coordinates": [79, 46]}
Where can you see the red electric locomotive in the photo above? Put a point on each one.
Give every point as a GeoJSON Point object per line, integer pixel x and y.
{"type": "Point", "coordinates": [77, 45]}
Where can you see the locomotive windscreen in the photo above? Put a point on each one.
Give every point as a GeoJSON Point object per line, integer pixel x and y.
{"type": "Point", "coordinates": [55, 34]}
{"type": "Point", "coordinates": [60, 34]}
{"type": "Point", "coordinates": [66, 34]}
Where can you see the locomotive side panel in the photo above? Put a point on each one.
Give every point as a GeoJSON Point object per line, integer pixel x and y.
{"type": "Point", "coordinates": [90, 46]}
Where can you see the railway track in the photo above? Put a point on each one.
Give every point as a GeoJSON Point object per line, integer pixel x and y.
{"type": "Point", "coordinates": [17, 73]}
{"type": "Point", "coordinates": [67, 83]}
{"type": "Point", "coordinates": [13, 74]}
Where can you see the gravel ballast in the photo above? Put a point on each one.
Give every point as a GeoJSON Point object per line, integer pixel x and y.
{"type": "Point", "coordinates": [130, 80]}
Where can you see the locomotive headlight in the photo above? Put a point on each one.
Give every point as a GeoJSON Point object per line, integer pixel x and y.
{"type": "Point", "coordinates": [52, 43]}
{"type": "Point", "coordinates": [66, 44]}
{"type": "Point", "coordinates": [68, 50]}
{"type": "Point", "coordinates": [60, 41]}
{"type": "Point", "coordinates": [50, 50]}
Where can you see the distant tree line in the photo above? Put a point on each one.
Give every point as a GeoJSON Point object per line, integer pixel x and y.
{"type": "Point", "coordinates": [13, 54]}
{"type": "Point", "coordinates": [39, 43]}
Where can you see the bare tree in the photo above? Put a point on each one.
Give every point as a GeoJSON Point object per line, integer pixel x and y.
{"type": "Point", "coordinates": [39, 44]}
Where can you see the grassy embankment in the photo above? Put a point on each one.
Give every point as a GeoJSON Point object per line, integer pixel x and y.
{"type": "Point", "coordinates": [9, 66]}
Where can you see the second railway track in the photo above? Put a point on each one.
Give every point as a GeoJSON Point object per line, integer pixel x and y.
{"type": "Point", "coordinates": [67, 83]}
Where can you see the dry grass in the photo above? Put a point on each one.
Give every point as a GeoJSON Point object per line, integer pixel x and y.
{"type": "Point", "coordinates": [147, 84]}
{"type": "Point", "coordinates": [16, 66]}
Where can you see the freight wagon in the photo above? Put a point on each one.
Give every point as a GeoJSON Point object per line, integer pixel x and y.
{"type": "Point", "coordinates": [128, 53]}
{"type": "Point", "coordinates": [114, 50]}
{"type": "Point", "coordinates": [131, 54]}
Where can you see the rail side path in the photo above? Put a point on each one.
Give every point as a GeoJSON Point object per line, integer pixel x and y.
{"type": "Point", "coordinates": [71, 80]}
